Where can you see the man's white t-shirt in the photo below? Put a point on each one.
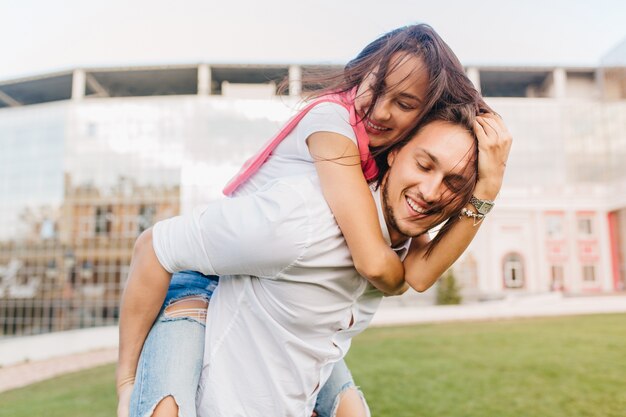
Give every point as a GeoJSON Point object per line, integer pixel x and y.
{"type": "Point", "coordinates": [289, 299]}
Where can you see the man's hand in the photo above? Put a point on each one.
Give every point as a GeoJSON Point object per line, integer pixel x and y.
{"type": "Point", "coordinates": [494, 144]}
{"type": "Point", "coordinates": [124, 391]}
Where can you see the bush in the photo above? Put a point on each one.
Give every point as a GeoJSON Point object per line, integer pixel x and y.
{"type": "Point", "coordinates": [448, 290]}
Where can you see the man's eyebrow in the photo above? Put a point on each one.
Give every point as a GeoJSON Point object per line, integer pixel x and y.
{"type": "Point", "coordinates": [457, 177]}
{"type": "Point", "coordinates": [450, 176]}
{"type": "Point", "coordinates": [431, 156]}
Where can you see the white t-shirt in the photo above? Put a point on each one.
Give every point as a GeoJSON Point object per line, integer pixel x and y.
{"type": "Point", "coordinates": [289, 299]}
{"type": "Point", "coordinates": [291, 156]}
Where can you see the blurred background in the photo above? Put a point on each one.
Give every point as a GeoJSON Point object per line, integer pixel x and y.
{"type": "Point", "coordinates": [114, 115]}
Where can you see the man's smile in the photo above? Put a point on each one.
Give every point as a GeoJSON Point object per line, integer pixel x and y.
{"type": "Point", "coordinates": [415, 206]}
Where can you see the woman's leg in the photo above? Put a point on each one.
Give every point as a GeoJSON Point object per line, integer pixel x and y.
{"type": "Point", "coordinates": [340, 397]}
{"type": "Point", "coordinates": [171, 360]}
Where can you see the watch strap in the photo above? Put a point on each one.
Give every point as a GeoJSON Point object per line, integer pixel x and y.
{"type": "Point", "coordinates": [482, 206]}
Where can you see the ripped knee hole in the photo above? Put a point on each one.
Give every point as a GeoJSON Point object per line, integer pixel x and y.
{"type": "Point", "coordinates": [167, 406]}
{"type": "Point", "coordinates": [194, 307]}
{"type": "Point", "coordinates": [351, 402]}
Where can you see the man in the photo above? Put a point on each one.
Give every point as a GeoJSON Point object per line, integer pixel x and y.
{"type": "Point", "coordinates": [289, 299]}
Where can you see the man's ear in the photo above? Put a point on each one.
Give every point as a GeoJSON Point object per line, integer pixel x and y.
{"type": "Point", "coordinates": [391, 156]}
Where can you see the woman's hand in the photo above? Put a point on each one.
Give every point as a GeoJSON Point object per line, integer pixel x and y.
{"type": "Point", "coordinates": [494, 144]}
{"type": "Point", "coordinates": [124, 392]}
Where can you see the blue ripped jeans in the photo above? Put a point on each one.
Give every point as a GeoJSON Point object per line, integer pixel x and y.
{"type": "Point", "coordinates": [171, 359]}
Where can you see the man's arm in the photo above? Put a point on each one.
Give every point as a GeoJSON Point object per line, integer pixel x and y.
{"type": "Point", "coordinates": [422, 271]}
{"type": "Point", "coordinates": [142, 299]}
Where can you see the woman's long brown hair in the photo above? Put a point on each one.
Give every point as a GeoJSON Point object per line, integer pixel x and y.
{"type": "Point", "coordinates": [450, 95]}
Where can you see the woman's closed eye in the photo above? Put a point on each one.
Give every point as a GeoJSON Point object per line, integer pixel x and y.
{"type": "Point", "coordinates": [406, 106]}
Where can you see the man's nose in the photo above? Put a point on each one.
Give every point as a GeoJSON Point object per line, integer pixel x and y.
{"type": "Point", "coordinates": [431, 190]}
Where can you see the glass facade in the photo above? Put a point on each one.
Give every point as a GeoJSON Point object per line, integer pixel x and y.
{"type": "Point", "coordinates": [564, 143]}
{"type": "Point", "coordinates": [31, 200]}
{"type": "Point", "coordinates": [81, 180]}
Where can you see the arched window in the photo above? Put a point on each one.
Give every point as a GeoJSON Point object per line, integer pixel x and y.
{"type": "Point", "coordinates": [513, 271]}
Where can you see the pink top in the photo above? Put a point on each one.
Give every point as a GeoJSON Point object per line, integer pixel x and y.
{"type": "Point", "coordinates": [370, 170]}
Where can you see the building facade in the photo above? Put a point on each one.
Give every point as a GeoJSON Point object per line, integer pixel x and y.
{"type": "Point", "coordinates": [91, 157]}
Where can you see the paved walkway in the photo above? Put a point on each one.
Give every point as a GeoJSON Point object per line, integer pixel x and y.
{"type": "Point", "coordinates": [394, 311]}
{"type": "Point", "coordinates": [398, 311]}
{"type": "Point", "coordinates": [23, 374]}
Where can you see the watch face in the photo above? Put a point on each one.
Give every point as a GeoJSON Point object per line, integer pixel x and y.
{"type": "Point", "coordinates": [485, 207]}
{"type": "Point", "coordinates": [482, 206]}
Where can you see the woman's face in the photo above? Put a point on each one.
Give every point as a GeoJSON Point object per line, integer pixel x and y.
{"type": "Point", "coordinates": [404, 92]}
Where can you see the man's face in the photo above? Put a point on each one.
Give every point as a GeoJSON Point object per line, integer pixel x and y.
{"type": "Point", "coordinates": [427, 172]}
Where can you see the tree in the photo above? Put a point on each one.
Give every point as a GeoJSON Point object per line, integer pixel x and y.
{"type": "Point", "coordinates": [448, 290]}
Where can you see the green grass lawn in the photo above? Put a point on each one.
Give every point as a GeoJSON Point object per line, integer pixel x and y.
{"type": "Point", "coordinates": [570, 367]}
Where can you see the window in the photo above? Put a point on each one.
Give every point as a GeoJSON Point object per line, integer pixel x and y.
{"type": "Point", "coordinates": [585, 226]}
{"type": "Point", "coordinates": [556, 275]}
{"type": "Point", "coordinates": [86, 271]}
{"type": "Point", "coordinates": [48, 229]}
{"type": "Point", "coordinates": [104, 219]}
{"type": "Point", "coordinates": [146, 217]}
{"type": "Point", "coordinates": [589, 273]}
{"type": "Point", "coordinates": [513, 266]}
{"type": "Point", "coordinates": [554, 227]}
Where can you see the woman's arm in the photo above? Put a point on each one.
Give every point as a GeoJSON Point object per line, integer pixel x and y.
{"type": "Point", "coordinates": [142, 299]}
{"type": "Point", "coordinates": [346, 191]}
{"type": "Point", "coordinates": [494, 144]}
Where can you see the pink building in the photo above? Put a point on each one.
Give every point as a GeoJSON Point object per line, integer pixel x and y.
{"type": "Point", "coordinates": [560, 221]}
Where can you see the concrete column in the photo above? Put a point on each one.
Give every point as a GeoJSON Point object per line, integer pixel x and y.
{"type": "Point", "coordinates": [295, 80]}
{"type": "Point", "coordinates": [573, 280]}
{"type": "Point", "coordinates": [79, 83]}
{"type": "Point", "coordinates": [559, 78]}
{"type": "Point", "coordinates": [605, 272]}
{"type": "Point", "coordinates": [600, 83]}
{"type": "Point", "coordinates": [204, 80]}
{"type": "Point", "coordinates": [474, 75]}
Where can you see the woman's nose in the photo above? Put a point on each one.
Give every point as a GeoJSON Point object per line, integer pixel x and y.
{"type": "Point", "coordinates": [381, 111]}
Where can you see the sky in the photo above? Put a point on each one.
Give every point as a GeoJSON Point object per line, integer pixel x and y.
{"type": "Point", "coordinates": [41, 36]}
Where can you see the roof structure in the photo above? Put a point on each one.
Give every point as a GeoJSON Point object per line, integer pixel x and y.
{"type": "Point", "coordinates": [616, 57]}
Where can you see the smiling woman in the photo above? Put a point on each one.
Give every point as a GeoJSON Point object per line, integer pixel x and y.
{"type": "Point", "coordinates": [400, 100]}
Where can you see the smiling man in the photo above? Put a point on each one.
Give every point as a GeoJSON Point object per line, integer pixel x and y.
{"type": "Point", "coordinates": [289, 299]}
